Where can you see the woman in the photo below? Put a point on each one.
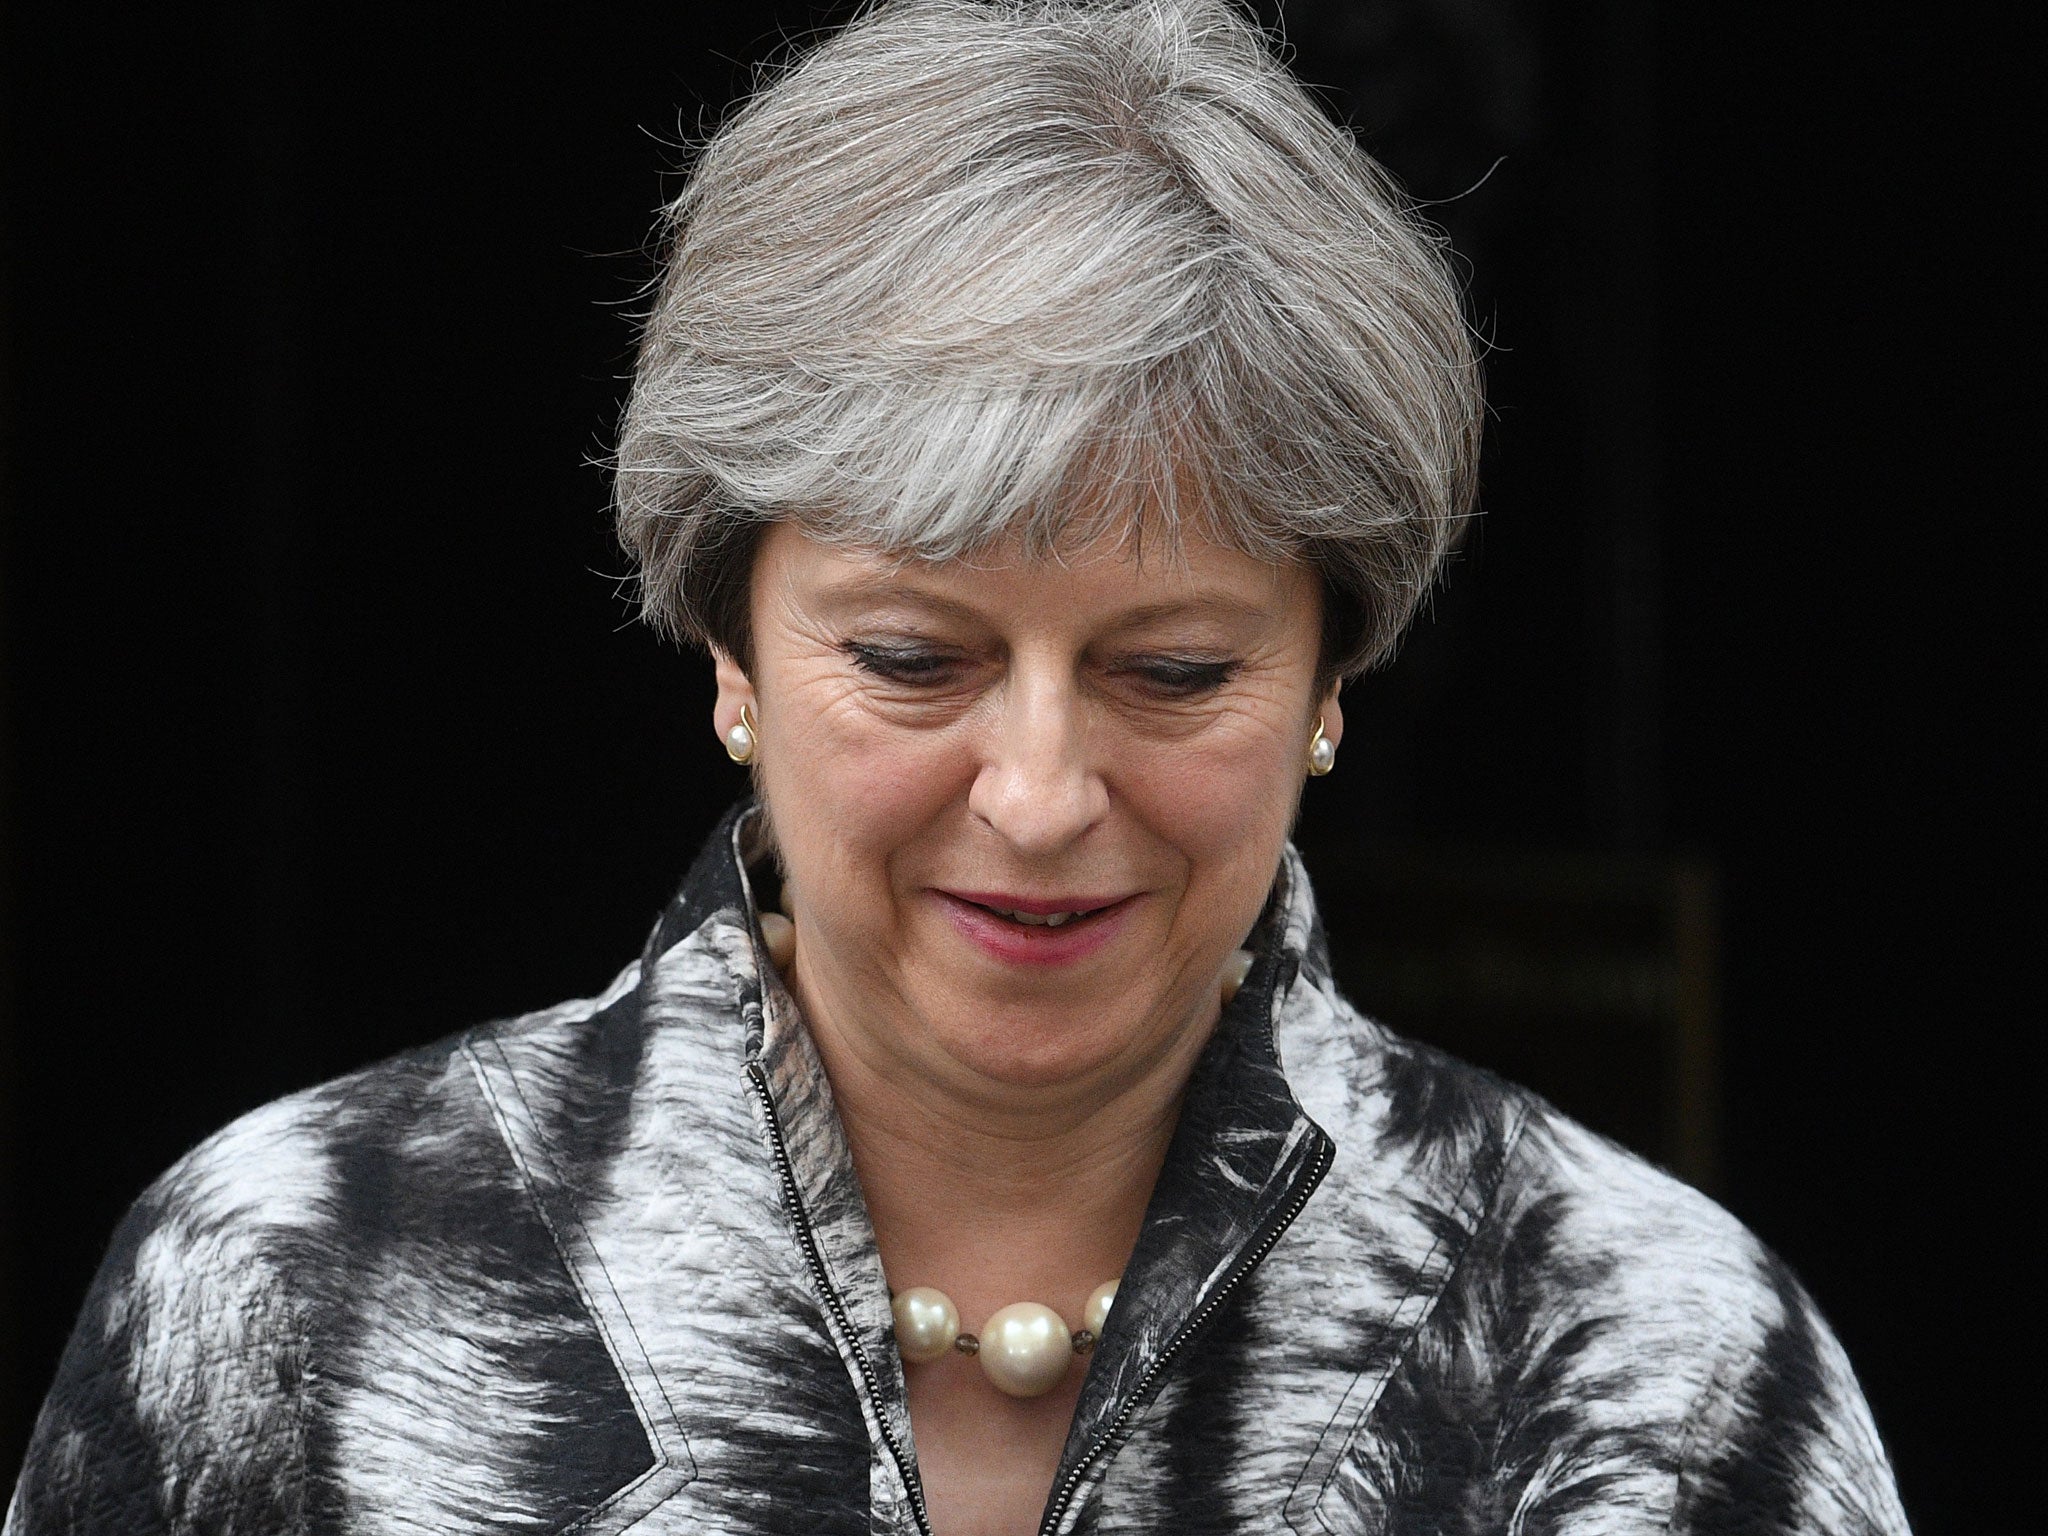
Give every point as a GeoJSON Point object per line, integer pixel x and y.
{"type": "Point", "coordinates": [1044, 410]}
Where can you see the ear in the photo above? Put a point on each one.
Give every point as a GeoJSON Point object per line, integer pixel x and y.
{"type": "Point", "coordinates": [734, 690]}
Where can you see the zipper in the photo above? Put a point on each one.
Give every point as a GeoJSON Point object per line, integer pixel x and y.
{"type": "Point", "coordinates": [793, 1199]}
{"type": "Point", "coordinates": [1325, 1155]}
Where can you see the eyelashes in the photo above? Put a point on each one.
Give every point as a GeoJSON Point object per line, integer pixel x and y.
{"type": "Point", "coordinates": [1181, 677]}
{"type": "Point", "coordinates": [1178, 677]}
{"type": "Point", "coordinates": [899, 664]}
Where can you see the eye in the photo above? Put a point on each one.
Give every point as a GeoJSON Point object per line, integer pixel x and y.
{"type": "Point", "coordinates": [900, 663]}
{"type": "Point", "coordinates": [1179, 677]}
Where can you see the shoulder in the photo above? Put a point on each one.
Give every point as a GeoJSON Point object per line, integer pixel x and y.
{"type": "Point", "coordinates": [1591, 1293]}
{"type": "Point", "coordinates": [1419, 1121]}
{"type": "Point", "coordinates": [1693, 1315]}
{"type": "Point", "coordinates": [1562, 1217]}
{"type": "Point", "coordinates": [330, 1164]}
{"type": "Point", "coordinates": [307, 1246]}
{"type": "Point", "coordinates": [1594, 1235]}
{"type": "Point", "coordinates": [182, 1379]}
{"type": "Point", "coordinates": [310, 1185]}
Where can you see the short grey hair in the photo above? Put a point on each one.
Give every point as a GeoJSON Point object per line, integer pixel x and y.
{"type": "Point", "coordinates": [971, 269]}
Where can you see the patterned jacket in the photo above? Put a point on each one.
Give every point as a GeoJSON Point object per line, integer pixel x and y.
{"type": "Point", "coordinates": [607, 1268]}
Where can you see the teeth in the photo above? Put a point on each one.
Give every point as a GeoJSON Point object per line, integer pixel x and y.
{"type": "Point", "coordinates": [1048, 920]}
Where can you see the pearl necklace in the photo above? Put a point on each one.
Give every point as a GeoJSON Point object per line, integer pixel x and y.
{"type": "Point", "coordinates": [1025, 1348]}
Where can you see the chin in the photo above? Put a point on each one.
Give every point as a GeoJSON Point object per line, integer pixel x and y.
{"type": "Point", "coordinates": [1022, 1045]}
{"type": "Point", "coordinates": [1043, 1043]}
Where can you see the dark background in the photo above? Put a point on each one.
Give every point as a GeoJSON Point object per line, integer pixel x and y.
{"type": "Point", "coordinates": [325, 729]}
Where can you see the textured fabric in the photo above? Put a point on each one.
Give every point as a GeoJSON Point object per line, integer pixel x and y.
{"type": "Point", "coordinates": [607, 1267]}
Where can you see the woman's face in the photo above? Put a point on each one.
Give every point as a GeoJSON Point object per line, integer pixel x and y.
{"type": "Point", "coordinates": [1027, 809]}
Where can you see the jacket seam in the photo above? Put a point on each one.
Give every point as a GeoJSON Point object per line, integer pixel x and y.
{"type": "Point", "coordinates": [1509, 1144]}
{"type": "Point", "coordinates": [1688, 1433]}
{"type": "Point", "coordinates": [662, 1459]}
{"type": "Point", "coordinates": [301, 1386]}
{"type": "Point", "coordinates": [568, 1260]}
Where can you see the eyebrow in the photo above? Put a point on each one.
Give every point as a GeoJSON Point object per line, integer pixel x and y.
{"type": "Point", "coordinates": [855, 590]}
{"type": "Point", "coordinates": [879, 589]}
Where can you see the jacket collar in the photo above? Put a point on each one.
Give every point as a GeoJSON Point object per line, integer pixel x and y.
{"type": "Point", "coordinates": [1244, 1160]}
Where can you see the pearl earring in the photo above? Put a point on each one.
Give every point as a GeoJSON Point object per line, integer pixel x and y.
{"type": "Point", "coordinates": [1235, 970]}
{"type": "Point", "coordinates": [739, 741]}
{"type": "Point", "coordinates": [1322, 752]}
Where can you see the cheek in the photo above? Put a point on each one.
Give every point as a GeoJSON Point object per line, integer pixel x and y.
{"type": "Point", "coordinates": [847, 791]}
{"type": "Point", "coordinates": [1225, 806]}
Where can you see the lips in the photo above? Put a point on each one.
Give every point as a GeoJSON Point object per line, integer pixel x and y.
{"type": "Point", "coordinates": [1049, 911]}
{"type": "Point", "coordinates": [1036, 930]}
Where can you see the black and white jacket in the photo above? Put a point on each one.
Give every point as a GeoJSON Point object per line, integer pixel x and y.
{"type": "Point", "coordinates": [606, 1268]}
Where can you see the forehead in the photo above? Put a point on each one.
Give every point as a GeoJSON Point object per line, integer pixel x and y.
{"type": "Point", "coordinates": [1110, 581]}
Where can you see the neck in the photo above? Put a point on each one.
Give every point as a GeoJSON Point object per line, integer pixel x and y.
{"type": "Point", "coordinates": [994, 1192]}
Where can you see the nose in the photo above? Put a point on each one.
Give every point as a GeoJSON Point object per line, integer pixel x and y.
{"type": "Point", "coordinates": [1037, 787]}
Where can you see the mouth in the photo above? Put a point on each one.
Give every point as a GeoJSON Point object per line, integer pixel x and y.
{"type": "Point", "coordinates": [1026, 919]}
{"type": "Point", "coordinates": [1036, 930]}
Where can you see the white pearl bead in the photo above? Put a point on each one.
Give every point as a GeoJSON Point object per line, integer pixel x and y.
{"type": "Point", "coordinates": [1097, 1312]}
{"type": "Point", "coordinates": [927, 1323]}
{"type": "Point", "coordinates": [780, 933]}
{"type": "Point", "coordinates": [1026, 1349]}
{"type": "Point", "coordinates": [739, 744]}
{"type": "Point", "coordinates": [1235, 969]}
{"type": "Point", "coordinates": [1322, 755]}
